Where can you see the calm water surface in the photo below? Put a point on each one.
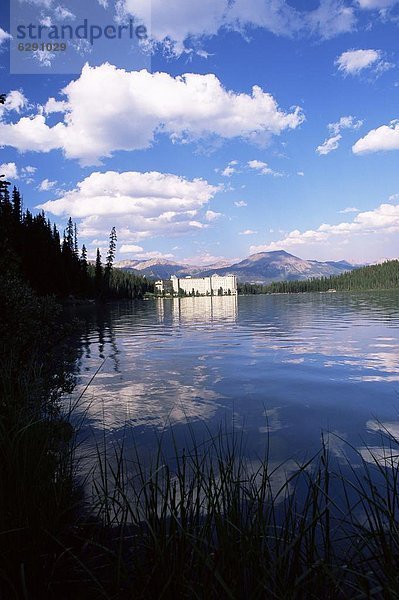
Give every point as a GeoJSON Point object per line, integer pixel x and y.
{"type": "Point", "coordinates": [284, 366]}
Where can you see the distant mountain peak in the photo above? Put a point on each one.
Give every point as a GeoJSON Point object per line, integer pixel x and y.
{"type": "Point", "coordinates": [261, 267]}
{"type": "Point", "coordinates": [151, 262]}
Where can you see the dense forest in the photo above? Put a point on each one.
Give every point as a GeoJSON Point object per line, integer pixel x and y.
{"type": "Point", "coordinates": [384, 276]}
{"type": "Point", "coordinates": [32, 248]}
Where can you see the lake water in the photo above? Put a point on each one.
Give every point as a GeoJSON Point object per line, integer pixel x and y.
{"type": "Point", "coordinates": [283, 366]}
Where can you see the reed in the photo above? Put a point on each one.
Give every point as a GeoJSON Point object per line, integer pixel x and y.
{"type": "Point", "coordinates": [216, 526]}
{"type": "Point", "coordinates": [203, 521]}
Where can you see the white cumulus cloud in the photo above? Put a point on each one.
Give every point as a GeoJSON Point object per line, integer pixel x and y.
{"type": "Point", "coordinates": [155, 254]}
{"type": "Point", "coordinates": [329, 145]}
{"type": "Point", "coordinates": [331, 18]}
{"type": "Point", "coordinates": [332, 143]}
{"type": "Point", "coordinates": [55, 106]}
{"type": "Point", "coordinates": [174, 22]}
{"type": "Point", "coordinates": [46, 185]}
{"type": "Point", "coordinates": [383, 221]}
{"type": "Point", "coordinates": [29, 169]}
{"type": "Point", "coordinates": [353, 62]}
{"type": "Point", "coordinates": [140, 105]}
{"type": "Point", "coordinates": [230, 169]}
{"type": "Point", "coordinates": [385, 137]}
{"type": "Point", "coordinates": [9, 170]}
{"type": "Point", "coordinates": [211, 215]}
{"type": "Point", "coordinates": [129, 248]}
{"type": "Point", "coordinates": [262, 168]}
{"type": "Point", "coordinates": [15, 101]}
{"type": "Point", "coordinates": [140, 205]}
{"type": "Point", "coordinates": [347, 122]}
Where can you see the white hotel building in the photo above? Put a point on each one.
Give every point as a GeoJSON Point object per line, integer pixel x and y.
{"type": "Point", "coordinates": [215, 285]}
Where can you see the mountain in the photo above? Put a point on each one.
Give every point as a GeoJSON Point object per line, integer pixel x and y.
{"type": "Point", "coordinates": [341, 264]}
{"type": "Point", "coordinates": [156, 268]}
{"type": "Point", "coordinates": [263, 267]}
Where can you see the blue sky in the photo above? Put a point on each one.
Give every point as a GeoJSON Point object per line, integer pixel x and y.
{"type": "Point", "coordinates": [255, 126]}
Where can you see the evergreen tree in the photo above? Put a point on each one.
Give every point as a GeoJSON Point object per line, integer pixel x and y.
{"type": "Point", "coordinates": [111, 250]}
{"type": "Point", "coordinates": [7, 254]}
{"type": "Point", "coordinates": [98, 274]}
{"type": "Point", "coordinates": [17, 204]}
{"type": "Point", "coordinates": [110, 261]}
{"type": "Point", "coordinates": [83, 258]}
{"type": "Point", "coordinates": [4, 193]}
{"type": "Point", "coordinates": [56, 235]}
{"type": "Point", "coordinates": [69, 235]}
{"type": "Point", "coordinates": [75, 240]}
{"type": "Point", "coordinates": [373, 277]}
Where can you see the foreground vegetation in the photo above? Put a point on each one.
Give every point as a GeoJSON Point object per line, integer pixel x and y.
{"type": "Point", "coordinates": [37, 486]}
{"type": "Point", "coordinates": [384, 276]}
{"type": "Point", "coordinates": [208, 523]}
{"type": "Point", "coordinates": [216, 526]}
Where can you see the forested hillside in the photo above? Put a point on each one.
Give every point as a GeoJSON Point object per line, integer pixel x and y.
{"type": "Point", "coordinates": [384, 276]}
{"type": "Point", "coordinates": [32, 248]}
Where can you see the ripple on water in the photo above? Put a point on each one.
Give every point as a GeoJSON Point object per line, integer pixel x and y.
{"type": "Point", "coordinates": [310, 361]}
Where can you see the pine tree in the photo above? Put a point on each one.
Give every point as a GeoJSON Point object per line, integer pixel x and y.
{"type": "Point", "coordinates": [75, 240]}
{"type": "Point", "coordinates": [111, 251]}
{"type": "Point", "coordinates": [56, 235]}
{"type": "Point", "coordinates": [6, 226]}
{"type": "Point", "coordinates": [17, 204]}
{"type": "Point", "coordinates": [110, 261]}
{"type": "Point", "coordinates": [69, 235]}
{"type": "Point", "coordinates": [98, 274]}
{"type": "Point", "coordinates": [83, 258]}
{"type": "Point", "coordinates": [5, 194]}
